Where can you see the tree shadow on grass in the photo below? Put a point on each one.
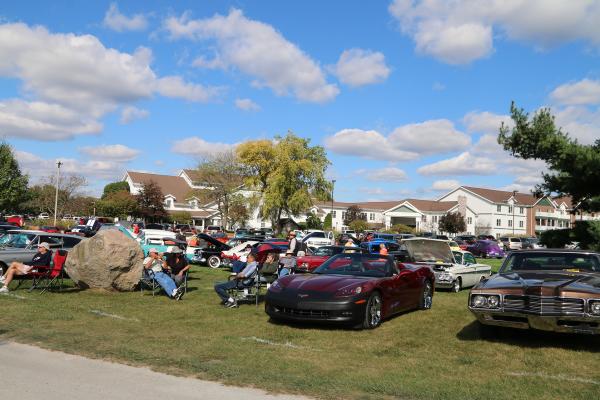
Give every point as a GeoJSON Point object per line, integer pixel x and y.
{"type": "Point", "coordinates": [529, 338]}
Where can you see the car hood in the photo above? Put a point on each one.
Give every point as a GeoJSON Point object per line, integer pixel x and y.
{"type": "Point", "coordinates": [321, 283]}
{"type": "Point", "coordinates": [220, 245]}
{"type": "Point", "coordinates": [543, 283]}
{"type": "Point", "coordinates": [312, 258]}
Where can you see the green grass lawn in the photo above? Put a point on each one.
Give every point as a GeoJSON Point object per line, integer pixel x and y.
{"type": "Point", "coordinates": [435, 354]}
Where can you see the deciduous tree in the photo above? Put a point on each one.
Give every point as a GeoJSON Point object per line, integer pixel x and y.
{"type": "Point", "coordinates": [118, 204]}
{"type": "Point", "coordinates": [353, 213]}
{"type": "Point", "coordinates": [13, 184]}
{"type": "Point", "coordinates": [574, 168]}
{"type": "Point", "coordinates": [288, 172]}
{"type": "Point", "coordinates": [452, 223]}
{"type": "Point", "coordinates": [224, 176]}
{"type": "Point", "coordinates": [150, 202]}
{"type": "Point", "coordinates": [113, 187]}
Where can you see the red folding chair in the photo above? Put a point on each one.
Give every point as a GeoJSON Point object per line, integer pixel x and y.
{"type": "Point", "coordinates": [55, 275]}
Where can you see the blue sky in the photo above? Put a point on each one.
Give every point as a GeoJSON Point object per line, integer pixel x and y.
{"type": "Point", "coordinates": [406, 96]}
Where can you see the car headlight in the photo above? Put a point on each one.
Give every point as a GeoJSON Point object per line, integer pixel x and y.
{"type": "Point", "coordinates": [351, 291]}
{"type": "Point", "coordinates": [485, 301]}
{"type": "Point", "coordinates": [595, 307]}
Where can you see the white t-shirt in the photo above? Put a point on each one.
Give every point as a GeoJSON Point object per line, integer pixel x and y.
{"type": "Point", "coordinates": [156, 265]}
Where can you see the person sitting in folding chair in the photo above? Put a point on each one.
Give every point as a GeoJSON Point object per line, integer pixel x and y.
{"type": "Point", "coordinates": [242, 279]}
{"type": "Point", "coordinates": [42, 258]}
{"type": "Point", "coordinates": [288, 263]}
{"type": "Point", "coordinates": [177, 264]}
{"type": "Point", "coordinates": [154, 264]}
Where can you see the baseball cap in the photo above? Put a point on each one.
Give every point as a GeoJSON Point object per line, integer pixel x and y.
{"type": "Point", "coordinates": [176, 250]}
{"type": "Point", "coordinates": [44, 245]}
{"type": "Point", "coordinates": [153, 250]}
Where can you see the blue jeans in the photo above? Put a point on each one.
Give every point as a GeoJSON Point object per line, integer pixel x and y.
{"type": "Point", "coordinates": [284, 272]}
{"type": "Point", "coordinates": [165, 282]}
{"type": "Point", "coordinates": [223, 287]}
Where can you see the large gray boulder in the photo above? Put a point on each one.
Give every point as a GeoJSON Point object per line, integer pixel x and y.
{"type": "Point", "coordinates": [109, 260]}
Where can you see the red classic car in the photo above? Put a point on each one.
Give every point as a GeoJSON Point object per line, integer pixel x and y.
{"type": "Point", "coordinates": [353, 288]}
{"type": "Point", "coordinates": [310, 262]}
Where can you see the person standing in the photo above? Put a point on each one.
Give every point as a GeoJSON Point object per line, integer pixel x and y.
{"type": "Point", "coordinates": [293, 243]}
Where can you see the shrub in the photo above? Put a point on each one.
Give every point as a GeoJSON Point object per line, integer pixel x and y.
{"type": "Point", "coordinates": [359, 225]}
{"type": "Point", "coordinates": [400, 228]}
{"type": "Point", "coordinates": [557, 238]}
{"type": "Point", "coordinates": [587, 233]}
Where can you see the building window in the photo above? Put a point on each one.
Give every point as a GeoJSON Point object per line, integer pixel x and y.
{"type": "Point", "coordinates": [333, 214]}
{"type": "Point", "coordinates": [469, 220]}
{"type": "Point", "coordinates": [521, 210]}
{"type": "Point", "coordinates": [434, 218]}
{"type": "Point", "coordinates": [423, 218]}
{"type": "Point", "coordinates": [343, 215]}
{"type": "Point", "coordinates": [498, 208]}
{"type": "Point", "coordinates": [520, 224]}
{"type": "Point", "coordinates": [498, 222]}
{"type": "Point", "coordinates": [510, 209]}
{"type": "Point", "coordinates": [509, 223]}
{"type": "Point", "coordinates": [371, 216]}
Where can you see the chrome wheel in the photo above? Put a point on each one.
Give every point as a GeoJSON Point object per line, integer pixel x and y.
{"type": "Point", "coordinates": [373, 312]}
{"type": "Point", "coordinates": [427, 298]}
{"type": "Point", "coordinates": [214, 262]}
{"type": "Point", "coordinates": [456, 285]}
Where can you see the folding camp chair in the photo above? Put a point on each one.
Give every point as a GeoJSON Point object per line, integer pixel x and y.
{"type": "Point", "coordinates": [56, 274]}
{"type": "Point", "coordinates": [37, 276]}
{"type": "Point", "coordinates": [147, 279]}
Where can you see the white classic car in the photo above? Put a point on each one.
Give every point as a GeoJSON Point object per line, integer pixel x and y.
{"type": "Point", "coordinates": [465, 272]}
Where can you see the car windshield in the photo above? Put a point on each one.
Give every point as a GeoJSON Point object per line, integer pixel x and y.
{"type": "Point", "coordinates": [551, 261]}
{"type": "Point", "coordinates": [18, 240]}
{"type": "Point", "coordinates": [457, 257]}
{"type": "Point", "coordinates": [356, 264]}
{"type": "Point", "coordinates": [326, 251]}
{"type": "Point", "coordinates": [423, 250]}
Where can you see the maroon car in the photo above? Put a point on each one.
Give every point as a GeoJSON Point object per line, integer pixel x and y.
{"type": "Point", "coordinates": [310, 262]}
{"type": "Point", "coordinates": [360, 289]}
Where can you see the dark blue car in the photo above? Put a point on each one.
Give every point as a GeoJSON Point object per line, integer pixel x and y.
{"type": "Point", "coordinates": [374, 246]}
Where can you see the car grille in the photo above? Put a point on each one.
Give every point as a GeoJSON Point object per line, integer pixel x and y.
{"type": "Point", "coordinates": [544, 305]}
{"type": "Point", "coordinates": [297, 312]}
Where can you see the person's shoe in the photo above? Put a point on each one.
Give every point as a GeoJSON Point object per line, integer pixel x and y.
{"type": "Point", "coordinates": [4, 289]}
{"type": "Point", "coordinates": [2, 278]}
{"type": "Point", "coordinates": [230, 303]}
{"type": "Point", "coordinates": [179, 294]}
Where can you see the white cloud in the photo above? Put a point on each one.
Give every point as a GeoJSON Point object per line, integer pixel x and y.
{"type": "Point", "coordinates": [74, 77]}
{"type": "Point", "coordinates": [461, 31]}
{"type": "Point", "coordinates": [176, 87]}
{"type": "Point", "coordinates": [485, 122]}
{"type": "Point", "coordinates": [358, 67]}
{"type": "Point", "coordinates": [429, 137]}
{"type": "Point", "coordinates": [445, 185]}
{"type": "Point", "coordinates": [112, 152]}
{"type": "Point", "coordinates": [438, 86]}
{"type": "Point", "coordinates": [116, 21]}
{"type": "Point", "coordinates": [584, 92]}
{"type": "Point", "coordinates": [44, 121]}
{"type": "Point", "coordinates": [258, 50]}
{"type": "Point", "coordinates": [581, 123]}
{"type": "Point", "coordinates": [389, 174]}
{"type": "Point", "coordinates": [131, 113]}
{"type": "Point", "coordinates": [463, 164]}
{"type": "Point", "coordinates": [367, 144]}
{"type": "Point", "coordinates": [38, 167]}
{"type": "Point", "coordinates": [198, 147]}
{"type": "Point", "coordinates": [246, 105]}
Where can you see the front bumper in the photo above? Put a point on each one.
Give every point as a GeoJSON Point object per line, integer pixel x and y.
{"type": "Point", "coordinates": [560, 323]}
{"type": "Point", "coordinates": [339, 311]}
{"type": "Point", "coordinates": [443, 284]}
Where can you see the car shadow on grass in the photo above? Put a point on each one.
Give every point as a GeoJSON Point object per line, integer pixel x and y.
{"type": "Point", "coordinates": [529, 338]}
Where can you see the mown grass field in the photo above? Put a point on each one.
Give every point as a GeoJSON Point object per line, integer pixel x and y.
{"type": "Point", "coordinates": [435, 354]}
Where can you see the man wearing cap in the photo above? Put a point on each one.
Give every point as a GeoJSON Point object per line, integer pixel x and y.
{"type": "Point", "coordinates": [243, 278]}
{"type": "Point", "coordinates": [176, 264]}
{"type": "Point", "coordinates": [154, 262]}
{"type": "Point", "coordinates": [42, 258]}
{"type": "Point", "coordinates": [288, 263]}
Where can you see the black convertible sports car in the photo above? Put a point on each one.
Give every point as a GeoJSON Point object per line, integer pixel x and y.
{"type": "Point", "coordinates": [355, 288]}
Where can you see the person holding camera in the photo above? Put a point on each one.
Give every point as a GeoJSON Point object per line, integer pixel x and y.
{"type": "Point", "coordinates": [154, 263]}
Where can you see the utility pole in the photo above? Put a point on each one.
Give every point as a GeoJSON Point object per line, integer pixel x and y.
{"type": "Point", "coordinates": [332, 187]}
{"type": "Point", "coordinates": [513, 208]}
{"type": "Point", "coordinates": [58, 164]}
